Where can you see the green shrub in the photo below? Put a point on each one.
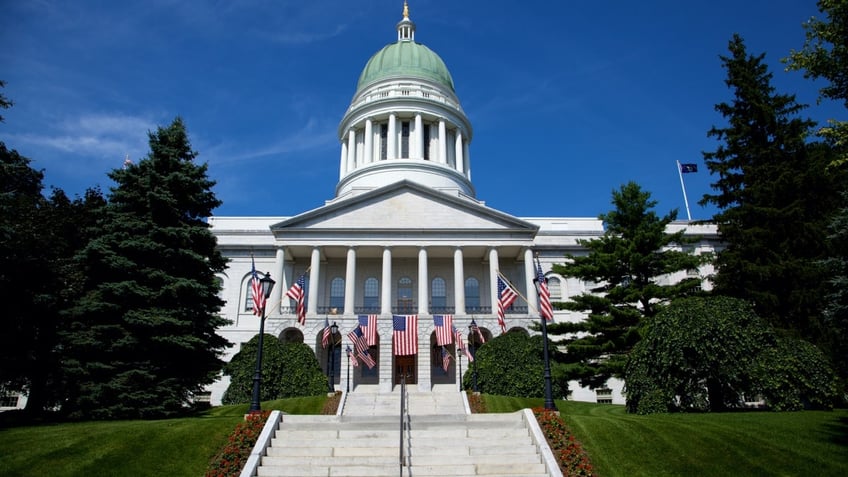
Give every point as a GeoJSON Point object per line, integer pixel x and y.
{"type": "Point", "coordinates": [512, 365]}
{"type": "Point", "coordinates": [793, 375]}
{"type": "Point", "coordinates": [288, 370]}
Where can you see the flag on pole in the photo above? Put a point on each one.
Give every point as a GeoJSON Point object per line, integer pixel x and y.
{"type": "Point", "coordinates": [297, 293]}
{"type": "Point", "coordinates": [325, 337]}
{"type": "Point", "coordinates": [444, 329]}
{"type": "Point", "coordinates": [687, 168]}
{"type": "Point", "coordinates": [476, 329]}
{"type": "Point", "coordinates": [368, 324]}
{"type": "Point", "coordinates": [404, 335]}
{"type": "Point", "coordinates": [366, 358]}
{"type": "Point", "coordinates": [352, 357]}
{"type": "Point", "coordinates": [256, 292]}
{"type": "Point", "coordinates": [446, 357]}
{"type": "Point", "coordinates": [506, 296]}
{"type": "Point", "coordinates": [545, 307]}
{"type": "Point", "coordinates": [360, 343]}
{"type": "Point", "coordinates": [461, 346]}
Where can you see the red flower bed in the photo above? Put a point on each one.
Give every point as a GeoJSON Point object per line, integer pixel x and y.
{"type": "Point", "coordinates": [231, 458]}
{"type": "Point", "coordinates": [573, 460]}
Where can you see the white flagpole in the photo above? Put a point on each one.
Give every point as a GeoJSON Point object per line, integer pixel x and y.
{"type": "Point", "coordinates": [682, 186]}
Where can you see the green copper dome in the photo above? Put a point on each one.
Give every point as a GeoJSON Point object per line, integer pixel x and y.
{"type": "Point", "coordinates": [405, 59]}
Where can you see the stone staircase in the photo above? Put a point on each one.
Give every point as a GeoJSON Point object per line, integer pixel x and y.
{"type": "Point", "coordinates": [443, 441]}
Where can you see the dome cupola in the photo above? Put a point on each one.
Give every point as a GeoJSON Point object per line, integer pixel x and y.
{"type": "Point", "coordinates": [405, 122]}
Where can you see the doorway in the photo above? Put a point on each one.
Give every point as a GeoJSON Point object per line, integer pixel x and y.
{"type": "Point", "coordinates": [405, 365]}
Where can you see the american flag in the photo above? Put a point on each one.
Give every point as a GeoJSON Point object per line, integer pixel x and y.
{"type": "Point", "coordinates": [368, 324]}
{"type": "Point", "coordinates": [256, 291]}
{"type": "Point", "coordinates": [460, 346]}
{"type": "Point", "coordinates": [404, 335]}
{"type": "Point", "coordinates": [506, 295]}
{"type": "Point", "coordinates": [358, 339]}
{"type": "Point", "coordinates": [446, 357]}
{"type": "Point", "coordinates": [476, 329]}
{"type": "Point", "coordinates": [367, 359]}
{"type": "Point", "coordinates": [352, 357]}
{"type": "Point", "coordinates": [545, 308]}
{"type": "Point", "coordinates": [297, 293]}
{"type": "Point", "coordinates": [325, 337]}
{"type": "Point", "coordinates": [444, 329]}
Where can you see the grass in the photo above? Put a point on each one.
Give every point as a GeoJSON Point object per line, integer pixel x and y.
{"type": "Point", "coordinates": [717, 444]}
{"type": "Point", "coordinates": [620, 444]}
{"type": "Point", "coordinates": [173, 447]}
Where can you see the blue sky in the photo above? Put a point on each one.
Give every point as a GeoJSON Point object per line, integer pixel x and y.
{"type": "Point", "coordinates": [568, 99]}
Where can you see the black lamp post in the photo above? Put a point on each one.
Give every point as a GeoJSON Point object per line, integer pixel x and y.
{"type": "Point", "coordinates": [472, 337]}
{"type": "Point", "coordinates": [267, 284]}
{"type": "Point", "coordinates": [331, 379]}
{"type": "Point", "coordinates": [549, 400]}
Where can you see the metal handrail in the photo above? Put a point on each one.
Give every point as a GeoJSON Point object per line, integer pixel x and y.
{"type": "Point", "coordinates": [402, 410]}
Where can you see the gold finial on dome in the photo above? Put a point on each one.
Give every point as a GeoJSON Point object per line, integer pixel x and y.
{"type": "Point", "coordinates": [405, 10]}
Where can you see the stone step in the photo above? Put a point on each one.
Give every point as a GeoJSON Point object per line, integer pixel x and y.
{"type": "Point", "coordinates": [394, 441]}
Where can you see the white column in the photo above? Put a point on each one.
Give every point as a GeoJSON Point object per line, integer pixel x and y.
{"type": "Point", "coordinates": [529, 275]}
{"type": "Point", "coordinates": [458, 282]}
{"type": "Point", "coordinates": [343, 161]}
{"type": "Point", "coordinates": [350, 282]}
{"type": "Point", "coordinates": [369, 142]}
{"type": "Point", "coordinates": [386, 291]}
{"type": "Point", "coordinates": [460, 165]}
{"type": "Point", "coordinates": [351, 150]}
{"type": "Point", "coordinates": [419, 138]}
{"type": "Point", "coordinates": [277, 274]}
{"type": "Point", "coordinates": [423, 295]}
{"type": "Point", "coordinates": [493, 278]}
{"type": "Point", "coordinates": [466, 159]}
{"type": "Point", "coordinates": [391, 138]}
{"type": "Point", "coordinates": [314, 276]}
{"type": "Point", "coordinates": [443, 142]}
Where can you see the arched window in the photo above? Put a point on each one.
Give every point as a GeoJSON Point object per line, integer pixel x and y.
{"type": "Point", "coordinates": [371, 297]}
{"type": "Point", "coordinates": [438, 298]}
{"type": "Point", "coordinates": [404, 295]}
{"type": "Point", "coordinates": [555, 288]}
{"type": "Point", "coordinates": [337, 291]}
{"type": "Point", "coordinates": [248, 297]}
{"type": "Point", "coordinates": [472, 293]}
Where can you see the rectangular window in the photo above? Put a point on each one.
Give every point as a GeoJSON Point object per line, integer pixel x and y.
{"type": "Point", "coordinates": [9, 400]}
{"type": "Point", "coordinates": [603, 395]}
{"type": "Point", "coordinates": [384, 141]}
{"type": "Point", "coordinates": [404, 139]}
{"type": "Point", "coordinates": [427, 142]}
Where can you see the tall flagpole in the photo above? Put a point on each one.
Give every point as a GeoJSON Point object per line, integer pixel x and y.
{"type": "Point", "coordinates": [682, 186]}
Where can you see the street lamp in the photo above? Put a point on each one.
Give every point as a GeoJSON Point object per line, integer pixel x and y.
{"type": "Point", "coordinates": [331, 379]}
{"type": "Point", "coordinates": [267, 284]}
{"type": "Point", "coordinates": [549, 400]}
{"type": "Point", "coordinates": [472, 337]}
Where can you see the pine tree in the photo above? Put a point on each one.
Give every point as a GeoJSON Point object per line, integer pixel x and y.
{"type": "Point", "coordinates": [773, 198]}
{"type": "Point", "coordinates": [630, 264]}
{"type": "Point", "coordinates": [142, 338]}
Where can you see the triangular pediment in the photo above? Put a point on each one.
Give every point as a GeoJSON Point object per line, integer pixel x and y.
{"type": "Point", "coordinates": [406, 206]}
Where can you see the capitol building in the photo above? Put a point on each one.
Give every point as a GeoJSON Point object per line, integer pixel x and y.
{"type": "Point", "coordinates": [405, 234]}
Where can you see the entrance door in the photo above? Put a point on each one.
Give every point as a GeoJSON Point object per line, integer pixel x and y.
{"type": "Point", "coordinates": [405, 365]}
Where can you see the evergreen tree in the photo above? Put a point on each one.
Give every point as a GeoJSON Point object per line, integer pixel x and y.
{"type": "Point", "coordinates": [142, 337]}
{"type": "Point", "coordinates": [774, 201]}
{"type": "Point", "coordinates": [630, 263]}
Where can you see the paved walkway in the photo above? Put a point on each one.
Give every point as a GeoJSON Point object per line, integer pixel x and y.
{"type": "Point", "coordinates": [368, 402]}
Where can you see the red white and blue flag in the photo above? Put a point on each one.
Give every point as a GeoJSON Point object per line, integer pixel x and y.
{"type": "Point", "coordinates": [444, 329]}
{"type": "Point", "coordinates": [366, 358]}
{"type": "Point", "coordinates": [404, 335]}
{"type": "Point", "coordinates": [368, 324]}
{"type": "Point", "coordinates": [256, 292]}
{"type": "Point", "coordinates": [461, 346]}
{"type": "Point", "coordinates": [506, 296]}
{"type": "Point", "coordinates": [356, 337]}
{"type": "Point", "coordinates": [476, 329]}
{"type": "Point", "coordinates": [297, 293]}
{"type": "Point", "coordinates": [545, 307]}
{"type": "Point", "coordinates": [325, 337]}
{"type": "Point", "coordinates": [446, 358]}
{"type": "Point", "coordinates": [352, 357]}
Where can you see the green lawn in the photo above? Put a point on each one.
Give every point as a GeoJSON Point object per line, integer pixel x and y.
{"type": "Point", "coordinates": [718, 444]}
{"type": "Point", "coordinates": [172, 447]}
{"type": "Point", "coordinates": [729, 444]}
